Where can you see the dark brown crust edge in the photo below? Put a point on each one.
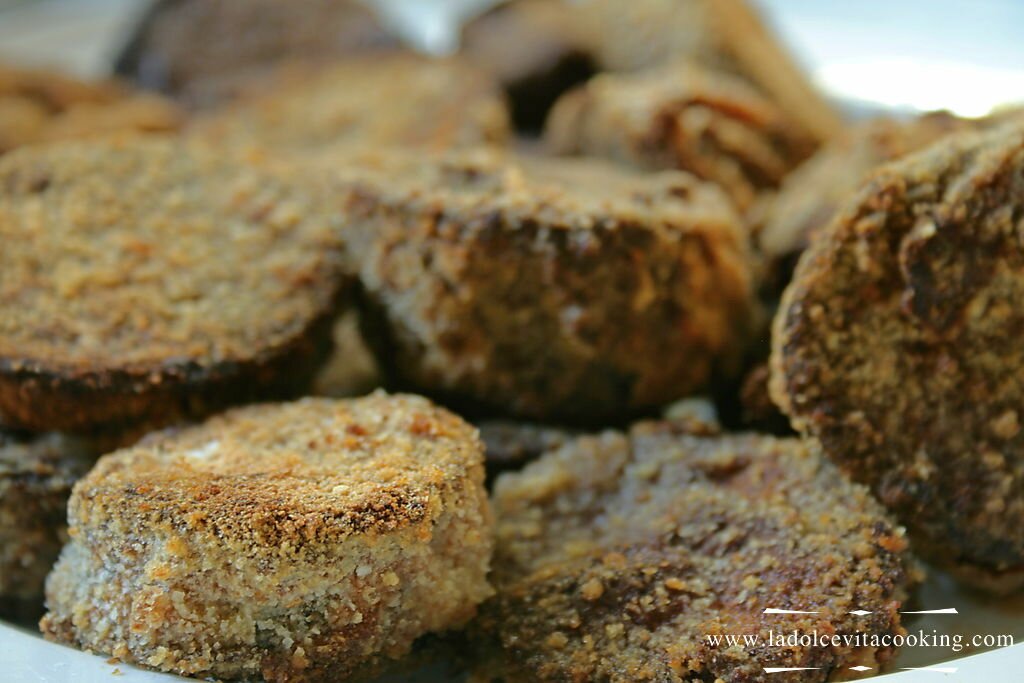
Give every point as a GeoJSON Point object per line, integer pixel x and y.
{"type": "Point", "coordinates": [42, 399]}
{"type": "Point", "coordinates": [791, 371]}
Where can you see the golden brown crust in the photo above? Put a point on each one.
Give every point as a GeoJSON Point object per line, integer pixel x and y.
{"type": "Point", "coordinates": [309, 541]}
{"type": "Point", "coordinates": [206, 51]}
{"type": "Point", "coordinates": [288, 465]}
{"type": "Point", "coordinates": [41, 106]}
{"type": "Point", "coordinates": [619, 553]}
{"type": "Point", "coordinates": [147, 275]}
{"type": "Point", "coordinates": [551, 289]}
{"type": "Point", "coordinates": [897, 345]}
{"type": "Point", "coordinates": [400, 100]}
{"type": "Point", "coordinates": [682, 116]}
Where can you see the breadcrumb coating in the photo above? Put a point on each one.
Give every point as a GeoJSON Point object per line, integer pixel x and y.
{"type": "Point", "coordinates": [309, 541]}
{"type": "Point", "coordinates": [145, 277]}
{"type": "Point", "coordinates": [682, 116]}
{"type": "Point", "coordinates": [618, 555]}
{"type": "Point", "coordinates": [39, 106]}
{"type": "Point", "coordinates": [897, 345]}
{"type": "Point", "coordinates": [546, 288]}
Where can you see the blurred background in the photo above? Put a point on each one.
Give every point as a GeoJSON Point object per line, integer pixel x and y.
{"type": "Point", "coordinates": [962, 55]}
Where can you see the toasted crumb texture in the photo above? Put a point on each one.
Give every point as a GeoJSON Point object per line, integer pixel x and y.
{"type": "Point", "coordinates": [144, 278]}
{"type": "Point", "coordinates": [897, 345]}
{"type": "Point", "coordinates": [309, 541]}
{"type": "Point", "coordinates": [400, 100]}
{"type": "Point", "coordinates": [41, 106]}
{"type": "Point", "coordinates": [681, 116]}
{"type": "Point", "coordinates": [547, 289]}
{"type": "Point", "coordinates": [204, 51]}
{"type": "Point", "coordinates": [534, 49]}
{"type": "Point", "coordinates": [620, 553]}
{"type": "Point", "coordinates": [813, 194]}
{"type": "Point", "coordinates": [36, 474]}
{"type": "Point", "coordinates": [351, 369]}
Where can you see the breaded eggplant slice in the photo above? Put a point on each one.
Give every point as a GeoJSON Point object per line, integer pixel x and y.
{"type": "Point", "coordinates": [561, 290]}
{"type": "Point", "coordinates": [309, 541]}
{"type": "Point", "coordinates": [204, 52]}
{"type": "Point", "coordinates": [619, 555]}
{"type": "Point", "coordinates": [898, 345]}
{"type": "Point", "coordinates": [541, 47]}
{"type": "Point", "coordinates": [38, 106]}
{"type": "Point", "coordinates": [398, 100]}
{"type": "Point", "coordinates": [727, 35]}
{"type": "Point", "coordinates": [36, 475]}
{"type": "Point", "coordinates": [144, 280]}
{"type": "Point", "coordinates": [685, 117]}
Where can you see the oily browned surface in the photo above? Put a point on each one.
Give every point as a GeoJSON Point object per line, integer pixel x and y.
{"type": "Point", "coordinates": [307, 541]}
{"type": "Point", "coordinates": [897, 345]}
{"type": "Point", "coordinates": [38, 106]}
{"type": "Point", "coordinates": [812, 195]}
{"type": "Point", "coordinates": [36, 474]}
{"type": "Point", "coordinates": [400, 100]}
{"type": "Point", "coordinates": [540, 288]}
{"type": "Point", "coordinates": [205, 51]}
{"type": "Point", "coordinates": [685, 117]}
{"type": "Point", "coordinates": [144, 277]}
{"type": "Point", "coordinates": [617, 554]}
